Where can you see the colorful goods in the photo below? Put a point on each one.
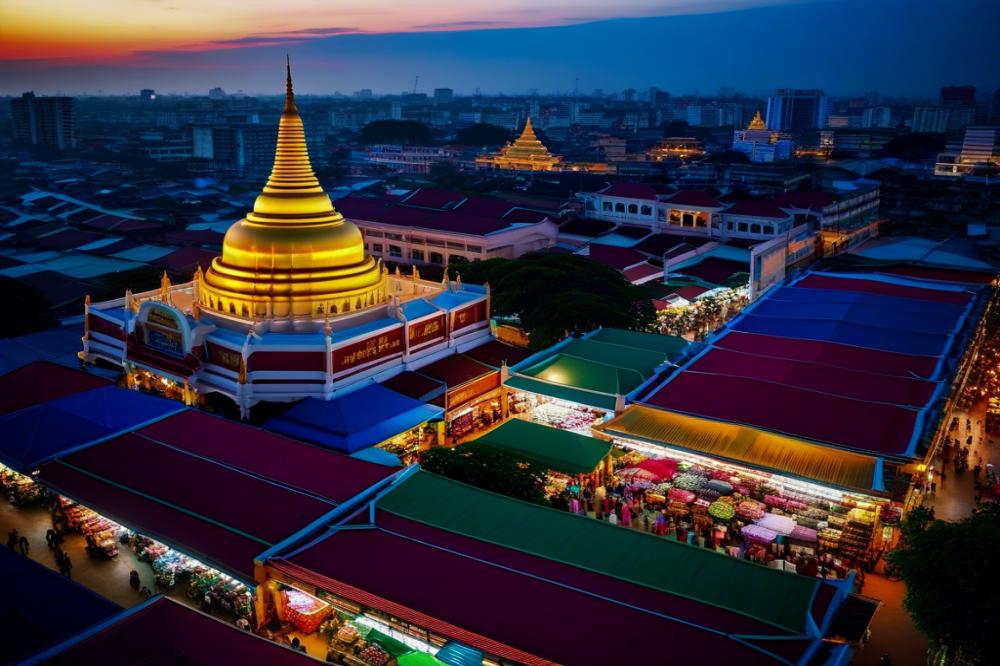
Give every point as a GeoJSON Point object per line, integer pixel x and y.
{"type": "Point", "coordinates": [780, 524]}
{"type": "Point", "coordinates": [775, 501]}
{"type": "Point", "coordinates": [758, 534]}
{"type": "Point", "coordinates": [374, 655]}
{"type": "Point", "coordinates": [750, 510]}
{"type": "Point", "coordinates": [681, 495]}
{"type": "Point", "coordinates": [689, 481]}
{"type": "Point", "coordinates": [720, 486]}
{"type": "Point", "coordinates": [304, 611]}
{"type": "Point", "coordinates": [722, 510]}
{"type": "Point", "coordinates": [800, 533]}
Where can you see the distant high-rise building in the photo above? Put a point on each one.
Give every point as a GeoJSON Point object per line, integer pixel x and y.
{"type": "Point", "coordinates": [217, 93]}
{"type": "Point", "coordinates": [876, 116]}
{"type": "Point", "coordinates": [46, 122]}
{"type": "Point", "coordinates": [147, 94]}
{"type": "Point", "coordinates": [443, 95]}
{"type": "Point", "coordinates": [658, 97]}
{"type": "Point", "coordinates": [396, 112]}
{"type": "Point", "coordinates": [364, 93]}
{"type": "Point", "coordinates": [931, 119]}
{"type": "Point", "coordinates": [797, 110]}
{"type": "Point", "coordinates": [628, 95]}
{"type": "Point", "coordinates": [958, 95]}
{"type": "Point", "coordinates": [981, 146]}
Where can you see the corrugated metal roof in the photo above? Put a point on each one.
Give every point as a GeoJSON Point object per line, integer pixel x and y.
{"type": "Point", "coordinates": [632, 555]}
{"type": "Point", "coordinates": [559, 450]}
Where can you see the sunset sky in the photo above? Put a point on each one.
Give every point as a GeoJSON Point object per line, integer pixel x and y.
{"type": "Point", "coordinates": [190, 45]}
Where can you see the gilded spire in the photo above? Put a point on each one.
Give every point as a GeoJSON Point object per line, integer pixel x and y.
{"type": "Point", "coordinates": [529, 131]}
{"type": "Point", "coordinates": [757, 123]}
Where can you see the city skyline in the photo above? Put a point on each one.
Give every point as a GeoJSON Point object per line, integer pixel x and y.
{"type": "Point", "coordinates": [477, 53]}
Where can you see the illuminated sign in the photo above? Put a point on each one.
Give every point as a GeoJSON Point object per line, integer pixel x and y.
{"type": "Point", "coordinates": [368, 350]}
{"type": "Point", "coordinates": [164, 329]}
{"type": "Point", "coordinates": [426, 330]}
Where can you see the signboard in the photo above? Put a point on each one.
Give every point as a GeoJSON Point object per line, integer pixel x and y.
{"type": "Point", "coordinates": [468, 392]}
{"type": "Point", "coordinates": [427, 330]}
{"type": "Point", "coordinates": [223, 356]}
{"type": "Point", "coordinates": [468, 316]}
{"type": "Point", "coordinates": [370, 349]}
{"type": "Point", "coordinates": [164, 329]}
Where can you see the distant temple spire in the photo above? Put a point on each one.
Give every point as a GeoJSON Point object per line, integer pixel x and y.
{"type": "Point", "coordinates": [757, 123]}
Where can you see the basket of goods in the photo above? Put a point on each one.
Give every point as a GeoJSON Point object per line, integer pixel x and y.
{"type": "Point", "coordinates": [722, 510]}
{"type": "Point", "coordinates": [750, 510]}
{"type": "Point", "coordinates": [675, 508]}
{"type": "Point", "coordinates": [800, 533]}
{"type": "Point", "coordinates": [779, 524]}
{"type": "Point", "coordinates": [775, 501]}
{"type": "Point", "coordinates": [374, 655]}
{"type": "Point", "coordinates": [680, 495]}
{"type": "Point", "coordinates": [348, 634]}
{"type": "Point", "coordinates": [720, 486]}
{"type": "Point", "coordinates": [758, 534]}
{"type": "Point", "coordinates": [689, 481]}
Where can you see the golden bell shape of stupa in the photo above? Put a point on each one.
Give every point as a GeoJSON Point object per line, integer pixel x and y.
{"type": "Point", "coordinates": [294, 255]}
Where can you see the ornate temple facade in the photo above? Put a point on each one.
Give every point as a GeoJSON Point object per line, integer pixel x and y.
{"type": "Point", "coordinates": [527, 153]}
{"type": "Point", "coordinates": [761, 144]}
{"type": "Point", "coordinates": [294, 306]}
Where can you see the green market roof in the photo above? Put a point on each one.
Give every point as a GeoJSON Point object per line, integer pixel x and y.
{"type": "Point", "coordinates": [769, 595]}
{"type": "Point", "coordinates": [594, 369]}
{"type": "Point", "coordinates": [559, 450]}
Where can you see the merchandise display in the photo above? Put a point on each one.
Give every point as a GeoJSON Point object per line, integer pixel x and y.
{"type": "Point", "coordinates": [101, 534]}
{"type": "Point", "coordinates": [303, 610]}
{"type": "Point", "coordinates": [20, 489]}
{"type": "Point", "coordinates": [710, 491]}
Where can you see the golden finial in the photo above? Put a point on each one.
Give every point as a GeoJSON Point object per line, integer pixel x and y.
{"type": "Point", "coordinates": [416, 273]}
{"type": "Point", "coordinates": [196, 310]}
{"type": "Point", "coordinates": [458, 280]}
{"type": "Point", "coordinates": [289, 94]}
{"type": "Point", "coordinates": [397, 270]}
{"type": "Point", "coordinates": [165, 288]}
{"type": "Point", "coordinates": [444, 275]}
{"type": "Point", "coordinates": [757, 123]}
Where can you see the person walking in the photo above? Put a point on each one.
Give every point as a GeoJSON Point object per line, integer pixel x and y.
{"type": "Point", "coordinates": [50, 538]}
{"type": "Point", "coordinates": [626, 515]}
{"type": "Point", "coordinates": [66, 568]}
{"type": "Point", "coordinates": [12, 539]}
{"type": "Point", "coordinates": [22, 544]}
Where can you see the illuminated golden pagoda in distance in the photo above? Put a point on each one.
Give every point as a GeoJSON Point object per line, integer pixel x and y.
{"type": "Point", "coordinates": [527, 153]}
{"type": "Point", "coordinates": [294, 255]}
{"type": "Point", "coordinates": [757, 123]}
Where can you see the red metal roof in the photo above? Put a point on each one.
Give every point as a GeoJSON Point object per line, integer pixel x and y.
{"type": "Point", "coordinates": [430, 197]}
{"type": "Point", "coordinates": [615, 257]}
{"type": "Point", "coordinates": [694, 198]}
{"type": "Point", "coordinates": [691, 292]}
{"type": "Point", "coordinates": [941, 274]}
{"type": "Point", "coordinates": [415, 385]}
{"type": "Point", "coordinates": [757, 209]}
{"type": "Point", "coordinates": [41, 381]}
{"type": "Point", "coordinates": [494, 353]}
{"type": "Point", "coordinates": [175, 634]}
{"type": "Point", "coordinates": [456, 370]}
{"type": "Point", "coordinates": [829, 281]}
{"type": "Point", "coordinates": [631, 191]}
{"type": "Point", "coordinates": [347, 563]}
{"type": "Point", "coordinates": [643, 270]}
{"type": "Point", "coordinates": [830, 353]}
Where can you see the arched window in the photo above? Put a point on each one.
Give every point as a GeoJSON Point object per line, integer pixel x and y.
{"type": "Point", "coordinates": [646, 210]}
{"type": "Point", "coordinates": [232, 308]}
{"type": "Point", "coordinates": [755, 228]}
{"type": "Point", "coordinates": [619, 208]}
{"type": "Point", "coordinates": [632, 208]}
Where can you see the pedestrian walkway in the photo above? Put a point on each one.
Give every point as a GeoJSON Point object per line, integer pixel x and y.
{"type": "Point", "coordinates": [955, 496]}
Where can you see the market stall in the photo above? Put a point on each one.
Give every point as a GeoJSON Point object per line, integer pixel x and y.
{"type": "Point", "coordinates": [19, 489]}
{"type": "Point", "coordinates": [370, 416]}
{"type": "Point", "coordinates": [473, 400]}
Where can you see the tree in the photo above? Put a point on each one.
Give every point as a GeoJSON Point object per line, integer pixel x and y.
{"type": "Point", "coordinates": [482, 134]}
{"type": "Point", "coordinates": [950, 571]}
{"type": "Point", "coordinates": [396, 131]}
{"type": "Point", "coordinates": [25, 309]}
{"type": "Point", "coordinates": [555, 294]}
{"type": "Point", "coordinates": [487, 467]}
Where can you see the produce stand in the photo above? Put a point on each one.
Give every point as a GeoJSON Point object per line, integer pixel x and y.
{"type": "Point", "coordinates": [20, 489]}
{"type": "Point", "coordinates": [100, 532]}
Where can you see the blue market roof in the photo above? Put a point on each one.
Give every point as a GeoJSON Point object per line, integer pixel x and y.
{"type": "Point", "coordinates": [38, 433]}
{"type": "Point", "coordinates": [353, 421]}
{"type": "Point", "coordinates": [40, 608]}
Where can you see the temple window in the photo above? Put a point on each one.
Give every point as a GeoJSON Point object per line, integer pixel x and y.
{"type": "Point", "coordinates": [633, 209]}
{"type": "Point", "coordinates": [395, 251]}
{"type": "Point", "coordinates": [768, 229]}
{"type": "Point", "coordinates": [606, 206]}
{"type": "Point", "coordinates": [417, 255]}
{"type": "Point", "coordinates": [436, 258]}
{"type": "Point", "coordinates": [755, 228]}
{"type": "Point", "coordinates": [742, 226]}
{"type": "Point", "coordinates": [619, 208]}
{"type": "Point", "coordinates": [646, 210]}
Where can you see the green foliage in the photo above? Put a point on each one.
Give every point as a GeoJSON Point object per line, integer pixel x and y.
{"type": "Point", "coordinates": [396, 131]}
{"type": "Point", "coordinates": [484, 466]}
{"type": "Point", "coordinates": [555, 294]}
{"type": "Point", "coordinates": [482, 134]}
{"type": "Point", "coordinates": [950, 570]}
{"type": "Point", "coordinates": [25, 309]}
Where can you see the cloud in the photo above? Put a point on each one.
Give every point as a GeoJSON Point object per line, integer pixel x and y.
{"type": "Point", "coordinates": [281, 38]}
{"type": "Point", "coordinates": [458, 24]}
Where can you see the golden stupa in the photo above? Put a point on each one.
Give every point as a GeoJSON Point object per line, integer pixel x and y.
{"type": "Point", "coordinates": [294, 255]}
{"type": "Point", "coordinates": [757, 123]}
{"type": "Point", "coordinates": [527, 153]}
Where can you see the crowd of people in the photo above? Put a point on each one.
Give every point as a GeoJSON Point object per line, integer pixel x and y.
{"type": "Point", "coordinates": [19, 542]}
